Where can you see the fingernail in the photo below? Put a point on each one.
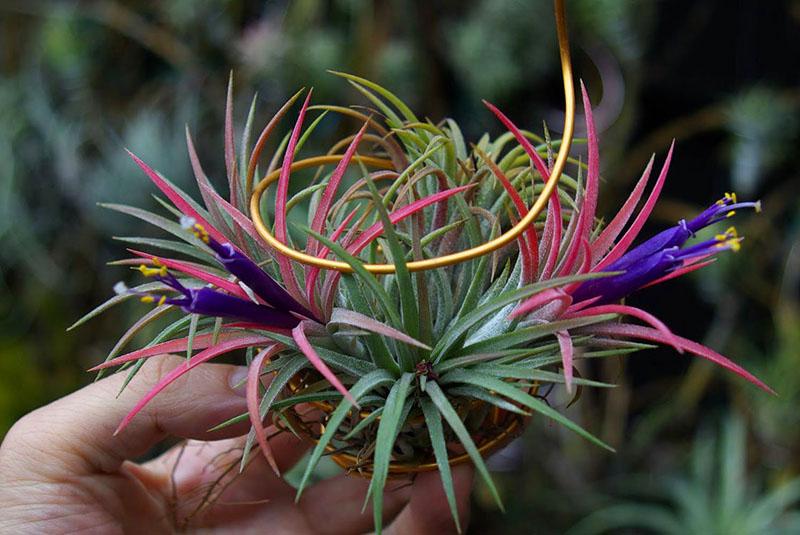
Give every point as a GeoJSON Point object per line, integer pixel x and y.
{"type": "Point", "coordinates": [237, 380]}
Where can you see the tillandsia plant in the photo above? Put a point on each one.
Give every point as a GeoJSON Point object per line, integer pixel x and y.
{"type": "Point", "coordinates": [409, 371]}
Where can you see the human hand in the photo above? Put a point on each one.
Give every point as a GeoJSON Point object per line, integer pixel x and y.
{"type": "Point", "coordinates": [62, 469]}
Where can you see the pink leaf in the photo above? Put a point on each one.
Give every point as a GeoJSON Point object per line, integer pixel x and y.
{"type": "Point", "coordinates": [299, 335]}
{"type": "Point", "coordinates": [541, 299]}
{"type": "Point", "coordinates": [653, 335]}
{"type": "Point", "coordinates": [202, 180]}
{"type": "Point", "coordinates": [690, 266]}
{"type": "Point", "coordinates": [230, 148]}
{"type": "Point", "coordinates": [242, 221]}
{"type": "Point", "coordinates": [257, 327]}
{"type": "Point", "coordinates": [593, 174]}
{"type": "Point", "coordinates": [253, 382]}
{"type": "Point", "coordinates": [355, 319]}
{"type": "Point", "coordinates": [585, 267]}
{"type": "Point", "coordinates": [553, 229]}
{"type": "Point", "coordinates": [395, 217]}
{"type": "Point", "coordinates": [589, 204]}
{"type": "Point", "coordinates": [637, 313]}
{"type": "Point", "coordinates": [565, 345]}
{"type": "Point", "coordinates": [398, 215]}
{"type": "Point", "coordinates": [281, 197]}
{"type": "Point", "coordinates": [263, 137]}
{"type": "Point", "coordinates": [529, 149]}
{"type": "Point", "coordinates": [176, 198]}
{"type": "Point", "coordinates": [318, 223]}
{"type": "Point", "coordinates": [313, 273]}
{"type": "Point", "coordinates": [200, 358]}
{"type": "Point", "coordinates": [610, 233]}
{"type": "Point", "coordinates": [201, 341]}
{"type": "Point", "coordinates": [532, 248]}
{"type": "Point", "coordinates": [622, 246]}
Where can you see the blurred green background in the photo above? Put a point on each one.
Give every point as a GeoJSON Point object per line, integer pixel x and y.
{"type": "Point", "coordinates": [698, 451]}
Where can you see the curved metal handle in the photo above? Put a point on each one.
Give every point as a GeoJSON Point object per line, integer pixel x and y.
{"type": "Point", "coordinates": [467, 254]}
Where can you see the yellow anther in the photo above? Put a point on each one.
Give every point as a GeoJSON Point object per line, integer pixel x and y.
{"type": "Point", "coordinates": [147, 299]}
{"type": "Point", "coordinates": [200, 232]}
{"type": "Point", "coordinates": [730, 197]}
{"type": "Point", "coordinates": [156, 261]}
{"type": "Point", "coordinates": [152, 272]}
{"type": "Point", "coordinates": [731, 231]}
{"type": "Point", "coordinates": [731, 213]}
{"type": "Point", "coordinates": [162, 300]}
{"type": "Point", "coordinates": [758, 207]}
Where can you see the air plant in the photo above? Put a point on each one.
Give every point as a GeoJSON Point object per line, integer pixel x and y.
{"type": "Point", "coordinates": [408, 371]}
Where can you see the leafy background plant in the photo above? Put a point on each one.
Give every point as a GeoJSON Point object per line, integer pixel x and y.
{"type": "Point", "coordinates": [82, 80]}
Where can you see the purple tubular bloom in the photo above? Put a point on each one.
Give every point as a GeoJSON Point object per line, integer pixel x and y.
{"type": "Point", "coordinates": [253, 276]}
{"type": "Point", "coordinates": [209, 302]}
{"type": "Point", "coordinates": [722, 209]}
{"type": "Point", "coordinates": [664, 253]}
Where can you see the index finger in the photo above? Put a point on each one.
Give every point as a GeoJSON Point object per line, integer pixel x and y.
{"type": "Point", "coordinates": [76, 433]}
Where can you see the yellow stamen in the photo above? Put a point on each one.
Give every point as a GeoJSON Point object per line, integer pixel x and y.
{"type": "Point", "coordinates": [147, 299]}
{"type": "Point", "coordinates": [200, 233]}
{"type": "Point", "coordinates": [731, 213]}
{"type": "Point", "coordinates": [152, 272]}
{"type": "Point", "coordinates": [162, 300]}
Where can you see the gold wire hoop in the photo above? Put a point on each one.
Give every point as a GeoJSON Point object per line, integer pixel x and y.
{"type": "Point", "coordinates": [461, 256]}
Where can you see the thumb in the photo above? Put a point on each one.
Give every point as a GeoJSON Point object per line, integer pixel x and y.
{"type": "Point", "coordinates": [76, 433]}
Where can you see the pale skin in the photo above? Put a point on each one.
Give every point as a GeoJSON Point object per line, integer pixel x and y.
{"type": "Point", "coordinates": [62, 470]}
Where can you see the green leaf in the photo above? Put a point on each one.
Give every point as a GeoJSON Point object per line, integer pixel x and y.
{"type": "Point", "coordinates": [408, 297]}
{"type": "Point", "coordinates": [483, 395]}
{"type": "Point", "coordinates": [353, 366]}
{"type": "Point", "coordinates": [528, 373]}
{"type": "Point", "coordinates": [438, 397]}
{"type": "Point", "coordinates": [378, 349]}
{"type": "Point", "coordinates": [365, 276]}
{"type": "Point", "coordinates": [366, 384]}
{"type": "Point", "coordinates": [471, 319]}
{"type": "Point", "coordinates": [508, 390]}
{"type": "Point", "coordinates": [371, 417]}
{"type": "Point", "coordinates": [145, 288]}
{"type": "Point", "coordinates": [169, 245]}
{"type": "Point", "coordinates": [291, 367]}
{"type": "Point", "coordinates": [384, 444]}
{"type": "Point", "coordinates": [195, 318]}
{"type": "Point", "coordinates": [161, 222]}
{"type": "Point", "coordinates": [527, 334]}
{"type": "Point", "coordinates": [385, 93]}
{"type": "Point", "coordinates": [433, 420]}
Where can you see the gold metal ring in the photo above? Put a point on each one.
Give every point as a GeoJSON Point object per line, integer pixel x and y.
{"type": "Point", "coordinates": [454, 258]}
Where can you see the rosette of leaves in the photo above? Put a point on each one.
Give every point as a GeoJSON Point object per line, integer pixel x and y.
{"type": "Point", "coordinates": [410, 369]}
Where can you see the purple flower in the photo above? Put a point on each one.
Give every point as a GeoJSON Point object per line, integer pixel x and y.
{"type": "Point", "coordinates": [209, 302]}
{"type": "Point", "coordinates": [281, 309]}
{"type": "Point", "coordinates": [664, 253]}
{"type": "Point", "coordinates": [248, 272]}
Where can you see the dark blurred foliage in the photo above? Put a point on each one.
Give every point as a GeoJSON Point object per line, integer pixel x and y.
{"type": "Point", "coordinates": [81, 80]}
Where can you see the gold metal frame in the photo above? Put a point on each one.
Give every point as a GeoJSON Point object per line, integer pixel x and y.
{"type": "Point", "coordinates": [461, 256]}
